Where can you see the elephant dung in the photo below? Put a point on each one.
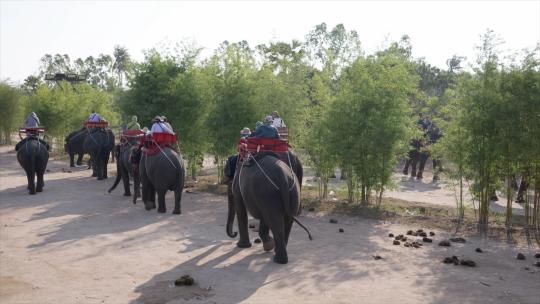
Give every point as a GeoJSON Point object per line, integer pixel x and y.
{"type": "Point", "coordinates": [185, 280]}
{"type": "Point", "coordinates": [520, 256]}
{"type": "Point", "coordinates": [333, 221]}
{"type": "Point", "coordinates": [341, 230]}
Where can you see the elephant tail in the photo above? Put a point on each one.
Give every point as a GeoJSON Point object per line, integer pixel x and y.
{"type": "Point", "coordinates": [304, 227]}
{"type": "Point", "coordinates": [116, 181]}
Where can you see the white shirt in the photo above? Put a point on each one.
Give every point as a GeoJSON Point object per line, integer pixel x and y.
{"type": "Point", "coordinates": [278, 123]}
{"type": "Point", "coordinates": [161, 127]}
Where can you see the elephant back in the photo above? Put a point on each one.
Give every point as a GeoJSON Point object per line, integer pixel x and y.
{"type": "Point", "coordinates": [99, 139]}
{"type": "Point", "coordinates": [74, 142]}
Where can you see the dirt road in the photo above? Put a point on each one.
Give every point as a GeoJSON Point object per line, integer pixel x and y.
{"type": "Point", "coordinates": [74, 243]}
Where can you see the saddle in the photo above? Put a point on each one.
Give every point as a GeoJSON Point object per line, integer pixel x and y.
{"type": "Point", "coordinates": [31, 137]}
{"type": "Point", "coordinates": [263, 146]}
{"type": "Point", "coordinates": [154, 143]}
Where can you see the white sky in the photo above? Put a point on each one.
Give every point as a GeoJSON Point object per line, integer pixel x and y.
{"type": "Point", "coordinates": [438, 29]}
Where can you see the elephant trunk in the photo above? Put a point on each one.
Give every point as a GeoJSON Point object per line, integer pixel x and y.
{"type": "Point", "coordinates": [231, 212]}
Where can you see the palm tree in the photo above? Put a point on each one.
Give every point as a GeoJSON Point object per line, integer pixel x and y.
{"type": "Point", "coordinates": [121, 62]}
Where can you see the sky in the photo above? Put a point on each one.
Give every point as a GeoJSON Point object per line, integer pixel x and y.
{"type": "Point", "coordinates": [438, 29]}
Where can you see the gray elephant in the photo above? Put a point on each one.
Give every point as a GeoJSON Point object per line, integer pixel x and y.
{"type": "Point", "coordinates": [74, 145]}
{"type": "Point", "coordinates": [99, 143]}
{"type": "Point", "coordinates": [33, 155]}
{"type": "Point", "coordinates": [269, 190]}
{"type": "Point", "coordinates": [126, 168]}
{"type": "Point", "coordinates": [161, 172]}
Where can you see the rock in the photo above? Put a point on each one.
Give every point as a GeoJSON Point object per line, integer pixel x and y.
{"type": "Point", "coordinates": [479, 250]}
{"type": "Point", "coordinates": [422, 234]}
{"type": "Point", "coordinates": [537, 255]}
{"type": "Point", "coordinates": [537, 264]}
{"type": "Point", "coordinates": [410, 232]}
{"type": "Point", "coordinates": [407, 244]}
{"type": "Point", "coordinates": [444, 243]}
{"type": "Point", "coordinates": [377, 257]}
{"type": "Point", "coordinates": [427, 240]}
{"type": "Point", "coordinates": [404, 238]}
{"type": "Point", "coordinates": [333, 221]}
{"type": "Point", "coordinates": [390, 235]}
{"type": "Point", "coordinates": [331, 193]}
{"type": "Point", "coordinates": [341, 230]}
{"type": "Point", "coordinates": [396, 242]}
{"type": "Point", "coordinates": [458, 240]}
{"type": "Point", "coordinates": [311, 209]}
{"type": "Point", "coordinates": [419, 230]}
{"type": "Point", "coordinates": [469, 263]}
{"type": "Point", "coordinates": [185, 280]}
{"type": "Point", "coordinates": [431, 233]}
{"type": "Point", "coordinates": [455, 260]}
{"type": "Point", "coordinates": [520, 256]}
{"type": "Point", "coordinates": [257, 241]}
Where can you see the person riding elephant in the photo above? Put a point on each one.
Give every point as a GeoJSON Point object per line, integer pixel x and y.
{"type": "Point", "coordinates": [267, 130]}
{"type": "Point", "coordinates": [159, 126]}
{"type": "Point", "coordinates": [33, 159]}
{"type": "Point", "coordinates": [133, 124]}
{"type": "Point", "coordinates": [31, 121]}
{"type": "Point", "coordinates": [31, 124]}
{"type": "Point", "coordinates": [277, 121]}
{"type": "Point", "coordinates": [94, 117]}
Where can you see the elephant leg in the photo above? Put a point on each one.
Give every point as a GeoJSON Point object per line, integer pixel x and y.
{"type": "Point", "coordinates": [242, 223]}
{"type": "Point", "coordinates": [125, 179]}
{"type": "Point", "coordinates": [71, 160]}
{"type": "Point", "coordinates": [136, 186]}
{"type": "Point", "coordinates": [79, 159]}
{"type": "Point", "coordinates": [105, 164]}
{"type": "Point", "coordinates": [264, 234]}
{"type": "Point", "coordinates": [288, 226]}
{"type": "Point", "coordinates": [277, 225]}
{"type": "Point", "coordinates": [40, 181]}
{"type": "Point", "coordinates": [31, 182]}
{"type": "Point", "coordinates": [423, 159]}
{"type": "Point", "coordinates": [177, 199]}
{"type": "Point", "coordinates": [161, 201]}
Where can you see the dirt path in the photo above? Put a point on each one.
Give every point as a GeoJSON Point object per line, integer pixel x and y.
{"type": "Point", "coordinates": [74, 243]}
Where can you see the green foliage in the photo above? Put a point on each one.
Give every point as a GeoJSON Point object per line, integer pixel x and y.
{"type": "Point", "coordinates": [62, 109]}
{"type": "Point", "coordinates": [369, 119]}
{"type": "Point", "coordinates": [11, 114]}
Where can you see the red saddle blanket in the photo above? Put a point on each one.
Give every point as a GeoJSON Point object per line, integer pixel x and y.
{"type": "Point", "coordinates": [254, 145]}
{"type": "Point", "coordinates": [32, 131]}
{"type": "Point", "coordinates": [96, 124]}
{"type": "Point", "coordinates": [153, 149]}
{"type": "Point", "coordinates": [132, 135]}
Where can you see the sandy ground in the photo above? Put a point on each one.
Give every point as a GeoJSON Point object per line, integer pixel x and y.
{"type": "Point", "coordinates": [74, 243]}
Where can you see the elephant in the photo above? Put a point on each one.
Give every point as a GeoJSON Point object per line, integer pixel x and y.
{"type": "Point", "coordinates": [125, 168]}
{"type": "Point", "coordinates": [269, 189]}
{"type": "Point", "coordinates": [33, 155]}
{"type": "Point", "coordinates": [159, 173]}
{"type": "Point", "coordinates": [74, 144]}
{"type": "Point", "coordinates": [99, 142]}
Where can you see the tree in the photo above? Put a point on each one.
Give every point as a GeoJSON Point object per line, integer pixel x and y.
{"type": "Point", "coordinates": [122, 62]}
{"type": "Point", "coordinates": [369, 121]}
{"type": "Point", "coordinates": [11, 114]}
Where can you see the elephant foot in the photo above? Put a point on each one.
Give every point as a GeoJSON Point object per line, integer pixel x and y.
{"type": "Point", "coordinates": [280, 259]}
{"type": "Point", "coordinates": [100, 178]}
{"type": "Point", "coordinates": [177, 211]}
{"type": "Point", "coordinates": [39, 190]}
{"type": "Point", "coordinates": [269, 245]}
{"type": "Point", "coordinates": [147, 208]}
{"type": "Point", "coordinates": [126, 194]}
{"type": "Point", "coordinates": [160, 210]}
{"type": "Point", "coordinates": [32, 192]}
{"type": "Point", "coordinates": [243, 244]}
